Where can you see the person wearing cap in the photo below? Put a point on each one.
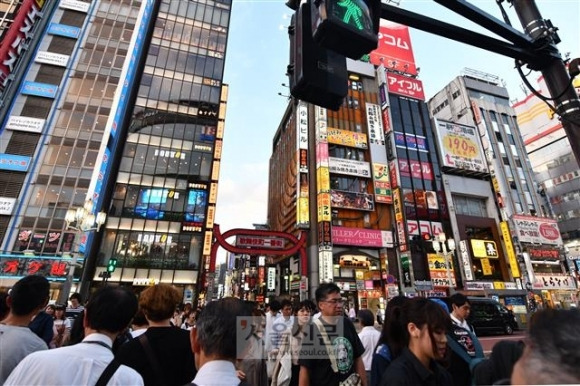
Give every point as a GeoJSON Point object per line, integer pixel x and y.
{"type": "Point", "coordinates": [62, 326]}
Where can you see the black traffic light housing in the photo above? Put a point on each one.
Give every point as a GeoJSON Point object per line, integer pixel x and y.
{"type": "Point", "coordinates": [317, 75]}
{"type": "Point", "coordinates": [112, 264]}
{"type": "Point", "coordinates": [349, 27]}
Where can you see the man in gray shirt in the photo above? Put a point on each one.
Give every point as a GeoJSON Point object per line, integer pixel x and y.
{"type": "Point", "coordinates": [28, 296]}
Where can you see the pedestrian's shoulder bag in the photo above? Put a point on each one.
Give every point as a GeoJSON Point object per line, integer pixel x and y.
{"type": "Point", "coordinates": [108, 372]}
{"type": "Point", "coordinates": [353, 379]}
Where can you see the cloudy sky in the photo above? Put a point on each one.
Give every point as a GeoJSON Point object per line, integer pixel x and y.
{"type": "Point", "coordinates": [257, 56]}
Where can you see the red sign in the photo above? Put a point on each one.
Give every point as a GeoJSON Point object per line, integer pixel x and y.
{"type": "Point", "coordinates": [19, 33]}
{"type": "Point", "coordinates": [549, 231]}
{"type": "Point", "coordinates": [405, 86]}
{"type": "Point", "coordinates": [394, 50]}
{"type": "Point", "coordinates": [415, 169]}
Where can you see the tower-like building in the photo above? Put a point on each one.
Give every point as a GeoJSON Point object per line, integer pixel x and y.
{"type": "Point", "coordinates": [510, 246]}
{"type": "Point", "coordinates": [122, 104]}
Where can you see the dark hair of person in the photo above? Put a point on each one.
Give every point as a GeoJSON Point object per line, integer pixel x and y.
{"type": "Point", "coordinates": [4, 309]}
{"type": "Point", "coordinates": [285, 303]}
{"type": "Point", "coordinates": [304, 304]}
{"type": "Point", "coordinates": [275, 305]}
{"type": "Point", "coordinates": [552, 355]}
{"type": "Point", "coordinates": [60, 308]}
{"type": "Point", "coordinates": [395, 345]}
{"type": "Point", "coordinates": [366, 318]}
{"type": "Point", "coordinates": [420, 312]}
{"type": "Point", "coordinates": [111, 309]}
{"type": "Point", "coordinates": [77, 330]}
{"type": "Point", "coordinates": [324, 290]}
{"type": "Point", "coordinates": [139, 318]}
{"type": "Point", "coordinates": [458, 300]}
{"type": "Point", "coordinates": [76, 296]}
{"type": "Point", "coordinates": [217, 327]}
{"type": "Point", "coordinates": [29, 294]}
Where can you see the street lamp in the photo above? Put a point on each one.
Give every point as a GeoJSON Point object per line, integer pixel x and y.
{"type": "Point", "coordinates": [81, 220]}
{"type": "Point", "coordinates": [445, 249]}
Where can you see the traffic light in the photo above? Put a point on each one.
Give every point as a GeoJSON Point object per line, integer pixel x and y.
{"type": "Point", "coordinates": [317, 75]}
{"type": "Point", "coordinates": [112, 264]}
{"type": "Point", "coordinates": [349, 27]}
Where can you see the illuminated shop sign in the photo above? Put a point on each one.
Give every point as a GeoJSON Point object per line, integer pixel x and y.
{"type": "Point", "coordinates": [405, 86]}
{"type": "Point", "coordinates": [66, 31]}
{"type": "Point", "coordinates": [484, 249]}
{"type": "Point", "coordinates": [415, 169]}
{"type": "Point", "coordinates": [18, 163]}
{"type": "Point", "coordinates": [346, 138]}
{"type": "Point", "coordinates": [460, 146]}
{"type": "Point", "coordinates": [537, 230]}
{"type": "Point", "coordinates": [260, 242]}
{"type": "Point", "coordinates": [394, 50]}
{"type": "Point", "coordinates": [17, 37]}
{"type": "Point", "coordinates": [362, 237]}
{"type": "Point", "coordinates": [411, 142]}
{"type": "Point", "coordinates": [44, 90]}
{"type": "Point", "coordinates": [51, 268]}
{"type": "Point", "coordinates": [382, 184]}
{"type": "Point", "coordinates": [349, 167]}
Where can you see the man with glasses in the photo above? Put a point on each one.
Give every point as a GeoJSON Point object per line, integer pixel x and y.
{"type": "Point", "coordinates": [332, 352]}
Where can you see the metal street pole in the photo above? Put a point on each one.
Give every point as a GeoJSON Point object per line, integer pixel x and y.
{"type": "Point", "coordinates": [555, 74]}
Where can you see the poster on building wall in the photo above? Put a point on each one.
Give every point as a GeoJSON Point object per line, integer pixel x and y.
{"type": "Point", "coordinates": [460, 146]}
{"type": "Point", "coordinates": [352, 200]}
{"type": "Point", "coordinates": [349, 167]}
{"type": "Point", "coordinates": [441, 270]}
{"type": "Point", "coordinates": [537, 230]}
{"type": "Point", "coordinates": [375, 124]}
{"type": "Point", "coordinates": [394, 50]}
{"type": "Point", "coordinates": [382, 184]}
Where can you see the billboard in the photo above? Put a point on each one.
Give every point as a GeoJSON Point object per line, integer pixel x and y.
{"type": "Point", "coordinates": [394, 50]}
{"type": "Point", "coordinates": [460, 146]}
{"type": "Point", "coordinates": [349, 167]}
{"type": "Point", "coordinates": [537, 230]}
{"type": "Point", "coordinates": [346, 138]}
{"type": "Point", "coordinates": [362, 237]}
{"type": "Point", "coordinates": [405, 86]}
{"type": "Point", "coordinates": [415, 169]}
{"type": "Point", "coordinates": [352, 200]}
{"type": "Point", "coordinates": [382, 183]}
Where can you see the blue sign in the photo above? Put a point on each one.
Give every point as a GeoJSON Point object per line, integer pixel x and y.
{"type": "Point", "coordinates": [410, 141]}
{"type": "Point", "coordinates": [17, 163]}
{"type": "Point", "coordinates": [67, 31]}
{"type": "Point", "coordinates": [39, 89]}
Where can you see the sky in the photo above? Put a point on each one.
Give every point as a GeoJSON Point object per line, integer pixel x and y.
{"type": "Point", "coordinates": [256, 60]}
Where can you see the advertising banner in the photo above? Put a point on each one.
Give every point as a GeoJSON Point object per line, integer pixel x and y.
{"type": "Point", "coordinates": [507, 239]}
{"type": "Point", "coordinates": [302, 186]}
{"type": "Point", "coordinates": [349, 167]}
{"type": "Point", "coordinates": [548, 282]}
{"type": "Point", "coordinates": [7, 205]}
{"type": "Point", "coordinates": [324, 207]}
{"type": "Point", "coordinates": [17, 163]}
{"type": "Point", "coordinates": [362, 237]}
{"type": "Point", "coordinates": [375, 124]}
{"type": "Point", "coordinates": [352, 200]}
{"type": "Point", "coordinates": [325, 266]}
{"type": "Point", "coordinates": [537, 230]}
{"type": "Point", "coordinates": [460, 146]}
{"type": "Point", "coordinates": [64, 30]}
{"type": "Point", "coordinates": [28, 124]}
{"type": "Point", "coordinates": [346, 138]}
{"type": "Point", "coordinates": [465, 260]}
{"type": "Point", "coordinates": [484, 249]}
{"type": "Point", "coordinates": [394, 50]}
{"type": "Point", "coordinates": [382, 184]}
{"type": "Point", "coordinates": [405, 86]}
{"type": "Point", "coordinates": [411, 142]}
{"type": "Point", "coordinates": [415, 169]}
{"type": "Point", "coordinates": [44, 90]}
{"type": "Point", "coordinates": [441, 270]}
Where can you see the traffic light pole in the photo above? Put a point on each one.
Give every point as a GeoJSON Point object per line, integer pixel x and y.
{"type": "Point", "coordinates": [536, 49]}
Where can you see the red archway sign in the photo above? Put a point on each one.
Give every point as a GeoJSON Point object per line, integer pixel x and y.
{"type": "Point", "coordinates": [295, 245]}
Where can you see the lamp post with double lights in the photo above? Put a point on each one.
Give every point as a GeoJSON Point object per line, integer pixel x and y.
{"type": "Point", "coordinates": [81, 220]}
{"type": "Point", "coordinates": [446, 249]}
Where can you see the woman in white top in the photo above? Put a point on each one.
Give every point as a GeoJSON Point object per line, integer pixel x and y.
{"type": "Point", "coordinates": [61, 327]}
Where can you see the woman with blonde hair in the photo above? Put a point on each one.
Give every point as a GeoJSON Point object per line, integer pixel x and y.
{"type": "Point", "coordinates": [162, 355]}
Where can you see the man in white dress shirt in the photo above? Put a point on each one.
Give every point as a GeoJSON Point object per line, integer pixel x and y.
{"type": "Point", "coordinates": [216, 343]}
{"type": "Point", "coordinates": [369, 336]}
{"type": "Point", "coordinates": [107, 314]}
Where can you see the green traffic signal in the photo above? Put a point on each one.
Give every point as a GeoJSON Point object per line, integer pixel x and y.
{"type": "Point", "coordinates": [354, 13]}
{"type": "Point", "coordinates": [112, 264]}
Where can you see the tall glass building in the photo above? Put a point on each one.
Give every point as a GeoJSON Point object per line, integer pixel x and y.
{"type": "Point", "coordinates": [123, 104]}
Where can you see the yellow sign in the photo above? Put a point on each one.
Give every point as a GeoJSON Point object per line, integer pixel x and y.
{"type": "Point", "coordinates": [324, 207]}
{"type": "Point", "coordinates": [215, 171]}
{"type": "Point", "coordinates": [346, 138]}
{"type": "Point", "coordinates": [486, 267]}
{"type": "Point", "coordinates": [323, 179]}
{"type": "Point", "coordinates": [495, 184]}
{"type": "Point", "coordinates": [397, 205]}
{"type": "Point", "coordinates": [460, 146]}
{"type": "Point", "coordinates": [210, 216]}
{"type": "Point", "coordinates": [484, 249]}
{"type": "Point", "coordinates": [498, 285]}
{"type": "Point", "coordinates": [207, 241]}
{"type": "Point", "coordinates": [507, 239]}
{"type": "Point", "coordinates": [212, 193]}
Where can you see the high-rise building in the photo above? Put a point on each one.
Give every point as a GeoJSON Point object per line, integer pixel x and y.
{"type": "Point", "coordinates": [509, 243]}
{"type": "Point", "coordinates": [123, 104]}
{"type": "Point", "coordinates": [556, 170]}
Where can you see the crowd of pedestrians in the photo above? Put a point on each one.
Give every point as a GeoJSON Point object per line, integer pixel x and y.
{"type": "Point", "coordinates": [117, 338]}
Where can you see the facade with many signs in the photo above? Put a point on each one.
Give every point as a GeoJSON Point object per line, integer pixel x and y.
{"type": "Point", "coordinates": [124, 104]}
{"type": "Point", "coordinates": [508, 244]}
